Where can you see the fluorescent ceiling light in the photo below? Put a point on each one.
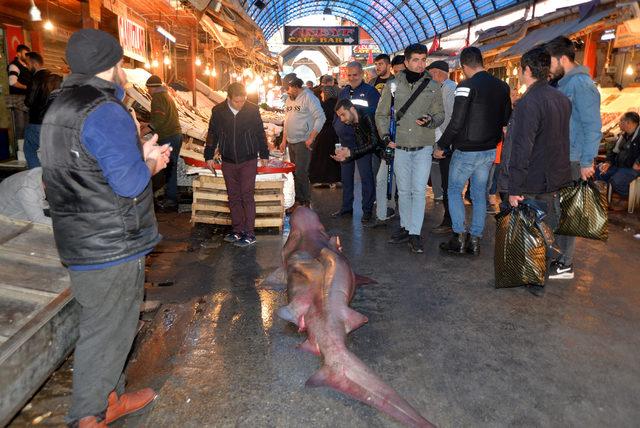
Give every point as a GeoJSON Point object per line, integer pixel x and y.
{"type": "Point", "coordinates": [167, 34]}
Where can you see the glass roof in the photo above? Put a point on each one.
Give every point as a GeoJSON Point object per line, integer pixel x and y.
{"type": "Point", "coordinates": [392, 23]}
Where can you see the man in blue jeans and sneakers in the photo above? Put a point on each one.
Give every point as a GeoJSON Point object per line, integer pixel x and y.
{"type": "Point", "coordinates": [481, 109]}
{"type": "Point", "coordinates": [584, 131]}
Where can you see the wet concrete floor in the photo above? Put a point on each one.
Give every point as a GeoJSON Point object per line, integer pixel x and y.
{"type": "Point", "coordinates": [462, 352]}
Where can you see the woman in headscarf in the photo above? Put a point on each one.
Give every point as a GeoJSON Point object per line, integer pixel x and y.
{"type": "Point", "coordinates": [323, 170]}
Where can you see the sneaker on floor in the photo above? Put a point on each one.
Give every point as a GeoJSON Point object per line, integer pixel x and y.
{"type": "Point", "coordinates": [438, 198]}
{"type": "Point", "coordinates": [559, 270]}
{"type": "Point", "coordinates": [245, 241]}
{"type": "Point", "coordinates": [366, 217]}
{"type": "Point", "coordinates": [415, 244]}
{"type": "Point", "coordinates": [400, 236]}
{"type": "Point", "coordinates": [391, 213]}
{"type": "Point", "coordinates": [232, 237]}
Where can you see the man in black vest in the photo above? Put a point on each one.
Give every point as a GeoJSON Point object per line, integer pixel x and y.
{"type": "Point", "coordinates": [98, 184]}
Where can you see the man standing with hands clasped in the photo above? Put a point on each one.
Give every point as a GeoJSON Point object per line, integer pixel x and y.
{"type": "Point", "coordinates": [236, 131]}
{"type": "Point", "coordinates": [98, 184]}
{"type": "Point", "coordinates": [585, 131]}
{"type": "Point", "coordinates": [303, 121]}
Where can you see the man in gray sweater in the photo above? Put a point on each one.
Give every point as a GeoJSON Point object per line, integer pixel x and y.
{"type": "Point", "coordinates": [303, 121]}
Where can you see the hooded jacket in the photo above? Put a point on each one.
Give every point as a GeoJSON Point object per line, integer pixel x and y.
{"type": "Point", "coordinates": [585, 128]}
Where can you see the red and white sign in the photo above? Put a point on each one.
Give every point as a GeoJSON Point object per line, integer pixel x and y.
{"type": "Point", "coordinates": [133, 39]}
{"type": "Point", "coordinates": [15, 37]}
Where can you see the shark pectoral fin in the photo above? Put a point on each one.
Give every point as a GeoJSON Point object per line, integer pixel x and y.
{"type": "Point", "coordinates": [363, 280]}
{"type": "Point", "coordinates": [286, 313]}
{"type": "Point", "coordinates": [277, 280]}
{"type": "Point", "coordinates": [310, 346]}
{"type": "Point", "coordinates": [354, 320]}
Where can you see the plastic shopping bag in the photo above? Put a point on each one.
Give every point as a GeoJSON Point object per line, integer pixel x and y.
{"type": "Point", "coordinates": [584, 211]}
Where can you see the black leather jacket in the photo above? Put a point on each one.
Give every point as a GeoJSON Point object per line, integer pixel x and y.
{"type": "Point", "coordinates": [37, 98]}
{"type": "Point", "coordinates": [239, 137]}
{"type": "Point", "coordinates": [367, 138]}
{"type": "Point", "coordinates": [481, 109]}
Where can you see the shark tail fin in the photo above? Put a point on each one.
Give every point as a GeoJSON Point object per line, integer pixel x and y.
{"type": "Point", "coordinates": [364, 280]}
{"type": "Point", "coordinates": [349, 375]}
{"type": "Point", "coordinates": [277, 280]}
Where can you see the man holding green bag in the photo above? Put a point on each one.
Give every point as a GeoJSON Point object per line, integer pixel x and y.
{"type": "Point", "coordinates": [585, 135]}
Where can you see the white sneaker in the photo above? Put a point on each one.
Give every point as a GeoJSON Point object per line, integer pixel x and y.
{"type": "Point", "coordinates": [558, 270]}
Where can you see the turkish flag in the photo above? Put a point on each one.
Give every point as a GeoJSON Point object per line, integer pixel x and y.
{"type": "Point", "coordinates": [15, 37]}
{"type": "Point", "coordinates": [435, 45]}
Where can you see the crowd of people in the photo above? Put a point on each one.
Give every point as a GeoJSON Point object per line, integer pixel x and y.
{"type": "Point", "coordinates": [412, 122]}
{"type": "Point", "coordinates": [86, 155]}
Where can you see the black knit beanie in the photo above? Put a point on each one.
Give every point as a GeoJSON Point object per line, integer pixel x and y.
{"type": "Point", "coordinates": [92, 51]}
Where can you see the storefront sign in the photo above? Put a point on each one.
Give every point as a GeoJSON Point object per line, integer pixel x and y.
{"type": "Point", "coordinates": [133, 39]}
{"type": "Point", "coordinates": [363, 50]}
{"type": "Point", "coordinates": [15, 37]}
{"type": "Point", "coordinates": [304, 35]}
{"type": "Point", "coordinates": [625, 37]}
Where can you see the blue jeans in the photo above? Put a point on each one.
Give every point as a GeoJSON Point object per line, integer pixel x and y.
{"type": "Point", "coordinates": [381, 190]}
{"type": "Point", "coordinates": [475, 166]}
{"type": "Point", "coordinates": [619, 178]}
{"type": "Point", "coordinates": [348, 170]}
{"type": "Point", "coordinates": [32, 145]}
{"type": "Point", "coordinates": [412, 174]}
{"type": "Point", "coordinates": [171, 172]}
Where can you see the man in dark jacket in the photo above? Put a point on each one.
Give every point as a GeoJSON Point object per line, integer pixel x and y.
{"type": "Point", "coordinates": [98, 184]}
{"type": "Point", "coordinates": [366, 97]}
{"type": "Point", "coordinates": [166, 123]}
{"type": "Point", "coordinates": [623, 163]}
{"type": "Point", "coordinates": [19, 79]}
{"type": "Point", "coordinates": [481, 109]}
{"type": "Point", "coordinates": [367, 139]}
{"type": "Point", "coordinates": [236, 131]}
{"type": "Point", "coordinates": [535, 157]}
{"type": "Point", "coordinates": [41, 85]}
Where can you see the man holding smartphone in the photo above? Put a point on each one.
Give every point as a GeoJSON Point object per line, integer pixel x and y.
{"type": "Point", "coordinates": [98, 185]}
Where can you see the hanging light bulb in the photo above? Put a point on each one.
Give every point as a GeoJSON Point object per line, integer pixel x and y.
{"type": "Point", "coordinates": [147, 65]}
{"type": "Point", "coordinates": [155, 63]}
{"type": "Point", "coordinates": [515, 71]}
{"type": "Point", "coordinates": [166, 60]}
{"type": "Point", "coordinates": [35, 13]}
{"type": "Point", "coordinates": [629, 70]}
{"type": "Point", "coordinates": [198, 61]}
{"type": "Point", "coordinates": [48, 25]}
{"type": "Point", "coordinates": [207, 72]}
{"type": "Point", "coordinates": [213, 72]}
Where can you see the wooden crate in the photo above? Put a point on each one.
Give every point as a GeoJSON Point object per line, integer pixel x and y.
{"type": "Point", "coordinates": [211, 203]}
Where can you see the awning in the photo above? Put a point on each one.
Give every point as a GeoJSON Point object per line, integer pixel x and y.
{"type": "Point", "coordinates": [544, 35]}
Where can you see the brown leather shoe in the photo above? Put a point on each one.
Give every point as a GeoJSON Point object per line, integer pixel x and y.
{"type": "Point", "coordinates": [128, 403]}
{"type": "Point", "coordinates": [91, 422]}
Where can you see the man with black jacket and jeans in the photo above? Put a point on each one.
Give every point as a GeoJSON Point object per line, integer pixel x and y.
{"type": "Point", "coordinates": [481, 109]}
{"type": "Point", "coordinates": [364, 127]}
{"type": "Point", "coordinates": [535, 155]}
{"type": "Point", "coordinates": [236, 131]}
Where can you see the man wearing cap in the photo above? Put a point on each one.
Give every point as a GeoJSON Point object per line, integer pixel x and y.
{"type": "Point", "coordinates": [98, 184]}
{"type": "Point", "coordinates": [440, 170]}
{"type": "Point", "coordinates": [303, 121]}
{"type": "Point", "coordinates": [165, 122]}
